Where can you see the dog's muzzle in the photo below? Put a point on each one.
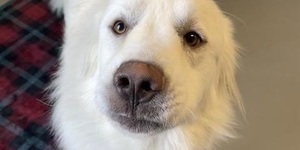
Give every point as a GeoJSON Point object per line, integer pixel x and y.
{"type": "Point", "coordinates": [138, 82]}
{"type": "Point", "coordinates": [134, 102]}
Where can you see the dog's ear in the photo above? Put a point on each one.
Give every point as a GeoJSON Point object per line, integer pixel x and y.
{"type": "Point", "coordinates": [228, 65]}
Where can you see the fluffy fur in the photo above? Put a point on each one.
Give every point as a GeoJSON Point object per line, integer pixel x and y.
{"type": "Point", "coordinates": [202, 88]}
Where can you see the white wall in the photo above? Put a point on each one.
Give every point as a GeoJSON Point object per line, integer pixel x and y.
{"type": "Point", "coordinates": [269, 79]}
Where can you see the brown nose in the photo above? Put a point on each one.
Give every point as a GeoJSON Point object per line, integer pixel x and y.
{"type": "Point", "coordinates": [138, 82]}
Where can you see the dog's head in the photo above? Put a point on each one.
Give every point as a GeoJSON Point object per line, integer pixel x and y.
{"type": "Point", "coordinates": [151, 65]}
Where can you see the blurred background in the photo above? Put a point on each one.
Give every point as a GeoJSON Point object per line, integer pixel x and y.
{"type": "Point", "coordinates": [269, 77]}
{"type": "Point", "coordinates": [30, 36]}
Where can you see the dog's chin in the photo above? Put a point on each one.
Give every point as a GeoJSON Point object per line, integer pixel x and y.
{"type": "Point", "coordinates": [137, 125]}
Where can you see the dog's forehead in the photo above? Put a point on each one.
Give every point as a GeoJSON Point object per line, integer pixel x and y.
{"type": "Point", "coordinates": [176, 9]}
{"type": "Point", "coordinates": [177, 13]}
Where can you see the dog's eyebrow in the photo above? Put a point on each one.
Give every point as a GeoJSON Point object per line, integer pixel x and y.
{"type": "Point", "coordinates": [131, 18]}
{"type": "Point", "coordinates": [185, 25]}
{"type": "Point", "coordinates": [130, 15]}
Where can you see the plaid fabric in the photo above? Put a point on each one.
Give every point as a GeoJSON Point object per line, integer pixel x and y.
{"type": "Point", "coordinates": [29, 39]}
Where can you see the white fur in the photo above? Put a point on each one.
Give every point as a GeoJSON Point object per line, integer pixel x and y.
{"type": "Point", "coordinates": [203, 80]}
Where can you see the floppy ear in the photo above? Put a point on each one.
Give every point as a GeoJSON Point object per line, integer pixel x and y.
{"type": "Point", "coordinates": [228, 65]}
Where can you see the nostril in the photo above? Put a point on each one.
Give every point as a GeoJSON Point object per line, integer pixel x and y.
{"type": "Point", "coordinates": [122, 82]}
{"type": "Point", "coordinates": [146, 86]}
{"type": "Point", "coordinates": [138, 82]}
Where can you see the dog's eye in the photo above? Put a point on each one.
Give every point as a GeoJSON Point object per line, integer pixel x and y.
{"type": "Point", "coordinates": [192, 39]}
{"type": "Point", "coordinates": [119, 27]}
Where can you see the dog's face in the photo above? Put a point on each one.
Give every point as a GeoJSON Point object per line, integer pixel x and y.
{"type": "Point", "coordinates": [157, 63]}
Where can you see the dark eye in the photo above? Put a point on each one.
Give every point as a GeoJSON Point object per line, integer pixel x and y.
{"type": "Point", "coordinates": [119, 27]}
{"type": "Point", "coordinates": [192, 39]}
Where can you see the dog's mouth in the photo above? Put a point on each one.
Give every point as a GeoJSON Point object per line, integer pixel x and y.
{"type": "Point", "coordinates": [138, 125]}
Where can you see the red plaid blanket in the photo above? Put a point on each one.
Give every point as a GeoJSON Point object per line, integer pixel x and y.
{"type": "Point", "coordinates": [29, 39]}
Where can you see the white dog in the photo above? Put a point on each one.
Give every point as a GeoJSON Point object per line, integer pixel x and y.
{"type": "Point", "coordinates": [144, 75]}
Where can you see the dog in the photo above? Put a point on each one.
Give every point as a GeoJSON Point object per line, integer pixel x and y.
{"type": "Point", "coordinates": [144, 75]}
